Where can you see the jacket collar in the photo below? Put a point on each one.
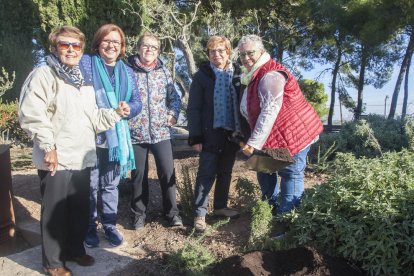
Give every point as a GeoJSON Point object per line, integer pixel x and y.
{"type": "Point", "coordinates": [131, 62]}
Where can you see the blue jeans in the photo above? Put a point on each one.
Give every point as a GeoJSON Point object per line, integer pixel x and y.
{"type": "Point", "coordinates": [105, 178]}
{"type": "Point", "coordinates": [291, 184]}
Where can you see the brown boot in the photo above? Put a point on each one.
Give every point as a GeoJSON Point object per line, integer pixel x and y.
{"type": "Point", "coordinates": [200, 224]}
{"type": "Point", "coordinates": [59, 271]}
{"type": "Point", "coordinates": [85, 260]}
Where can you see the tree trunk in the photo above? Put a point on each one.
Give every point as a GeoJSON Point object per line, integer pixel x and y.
{"type": "Point", "coordinates": [405, 102]}
{"type": "Point", "coordinates": [333, 87]}
{"type": "Point", "coordinates": [185, 89]}
{"type": "Point", "coordinates": [403, 68]}
{"type": "Point", "coordinates": [188, 54]}
{"type": "Point", "coordinates": [361, 80]}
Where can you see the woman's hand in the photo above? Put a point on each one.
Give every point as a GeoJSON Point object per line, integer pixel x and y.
{"type": "Point", "coordinates": [123, 109]}
{"type": "Point", "coordinates": [197, 147]}
{"type": "Point", "coordinates": [248, 150]}
{"type": "Point", "coordinates": [51, 161]}
{"type": "Point", "coordinates": [171, 120]}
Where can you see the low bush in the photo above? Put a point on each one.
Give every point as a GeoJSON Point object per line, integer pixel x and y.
{"type": "Point", "coordinates": [10, 129]}
{"type": "Point", "coordinates": [365, 213]}
{"type": "Point", "coordinates": [185, 189]}
{"type": "Point", "coordinates": [247, 192]}
{"type": "Point", "coordinates": [260, 226]}
{"type": "Point", "coordinates": [369, 137]}
{"type": "Point", "coordinates": [194, 258]}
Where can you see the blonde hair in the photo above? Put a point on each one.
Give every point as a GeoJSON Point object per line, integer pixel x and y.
{"type": "Point", "coordinates": [216, 40]}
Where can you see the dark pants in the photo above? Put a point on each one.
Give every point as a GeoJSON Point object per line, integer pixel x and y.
{"type": "Point", "coordinates": [214, 167]}
{"type": "Point", "coordinates": [64, 215]}
{"type": "Point", "coordinates": [163, 156]}
{"type": "Point", "coordinates": [104, 183]}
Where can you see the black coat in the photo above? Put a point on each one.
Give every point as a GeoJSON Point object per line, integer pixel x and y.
{"type": "Point", "coordinates": [200, 110]}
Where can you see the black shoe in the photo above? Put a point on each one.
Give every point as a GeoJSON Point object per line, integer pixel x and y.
{"type": "Point", "coordinates": [138, 222]}
{"type": "Point", "coordinates": [279, 230]}
{"type": "Point", "coordinates": [176, 221]}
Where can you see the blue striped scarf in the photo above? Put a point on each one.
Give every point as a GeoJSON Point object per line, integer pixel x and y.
{"type": "Point", "coordinates": [118, 137]}
{"type": "Point", "coordinates": [225, 100]}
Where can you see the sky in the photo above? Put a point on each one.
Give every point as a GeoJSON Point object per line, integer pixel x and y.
{"type": "Point", "coordinates": [372, 97]}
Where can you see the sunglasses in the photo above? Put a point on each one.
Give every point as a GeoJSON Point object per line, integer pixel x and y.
{"type": "Point", "coordinates": [64, 45]}
{"type": "Point", "coordinates": [250, 54]}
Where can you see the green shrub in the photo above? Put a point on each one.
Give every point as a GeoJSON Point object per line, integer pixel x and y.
{"type": "Point", "coordinates": [247, 192]}
{"type": "Point", "coordinates": [186, 191]}
{"type": "Point", "coordinates": [195, 258]}
{"type": "Point", "coordinates": [9, 124]}
{"type": "Point", "coordinates": [260, 226]}
{"type": "Point", "coordinates": [365, 212]}
{"type": "Point", "coordinates": [369, 137]}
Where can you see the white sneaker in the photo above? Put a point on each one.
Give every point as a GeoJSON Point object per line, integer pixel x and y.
{"type": "Point", "coordinates": [227, 212]}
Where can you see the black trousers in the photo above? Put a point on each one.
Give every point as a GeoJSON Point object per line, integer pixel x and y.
{"type": "Point", "coordinates": [64, 215]}
{"type": "Point", "coordinates": [214, 167]}
{"type": "Point", "coordinates": [164, 161]}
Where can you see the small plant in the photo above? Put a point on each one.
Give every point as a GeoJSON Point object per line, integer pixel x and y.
{"type": "Point", "coordinates": [322, 163]}
{"type": "Point", "coordinates": [6, 82]}
{"type": "Point", "coordinates": [409, 132]}
{"type": "Point", "coordinates": [195, 258]}
{"type": "Point", "coordinates": [185, 189]}
{"type": "Point", "coordinates": [247, 192]}
{"type": "Point", "coordinates": [260, 226]}
{"type": "Point", "coordinates": [368, 138]}
{"type": "Point", "coordinates": [10, 129]}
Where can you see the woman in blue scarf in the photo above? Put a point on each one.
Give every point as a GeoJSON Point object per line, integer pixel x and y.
{"type": "Point", "coordinates": [113, 82]}
{"type": "Point", "coordinates": [213, 118]}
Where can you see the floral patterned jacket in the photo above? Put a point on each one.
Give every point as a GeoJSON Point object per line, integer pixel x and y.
{"type": "Point", "coordinates": [159, 99]}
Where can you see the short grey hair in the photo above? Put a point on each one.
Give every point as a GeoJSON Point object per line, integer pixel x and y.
{"type": "Point", "coordinates": [254, 39]}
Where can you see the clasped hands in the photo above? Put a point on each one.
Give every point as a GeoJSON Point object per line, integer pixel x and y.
{"type": "Point", "coordinates": [123, 109]}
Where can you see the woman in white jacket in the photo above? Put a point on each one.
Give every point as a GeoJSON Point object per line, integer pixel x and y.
{"type": "Point", "coordinates": [58, 110]}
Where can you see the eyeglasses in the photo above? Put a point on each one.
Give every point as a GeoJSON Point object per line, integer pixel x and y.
{"type": "Point", "coordinates": [149, 47]}
{"type": "Point", "coordinates": [213, 51]}
{"type": "Point", "coordinates": [64, 45]}
{"type": "Point", "coordinates": [250, 54]}
{"type": "Point", "coordinates": [115, 43]}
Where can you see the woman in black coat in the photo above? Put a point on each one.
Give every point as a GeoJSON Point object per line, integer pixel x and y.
{"type": "Point", "coordinates": [213, 118]}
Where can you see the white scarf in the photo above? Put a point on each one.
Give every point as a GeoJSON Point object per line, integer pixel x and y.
{"type": "Point", "coordinates": [246, 76]}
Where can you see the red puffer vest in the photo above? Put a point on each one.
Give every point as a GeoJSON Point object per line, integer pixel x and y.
{"type": "Point", "coordinates": [297, 123]}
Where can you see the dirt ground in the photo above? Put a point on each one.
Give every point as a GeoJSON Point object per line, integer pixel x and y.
{"type": "Point", "coordinates": [151, 245]}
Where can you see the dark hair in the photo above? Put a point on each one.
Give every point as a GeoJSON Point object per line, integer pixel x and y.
{"type": "Point", "coordinates": [103, 31]}
{"type": "Point", "coordinates": [65, 31]}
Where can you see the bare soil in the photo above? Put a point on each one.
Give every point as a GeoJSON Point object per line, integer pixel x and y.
{"type": "Point", "coordinates": [152, 245]}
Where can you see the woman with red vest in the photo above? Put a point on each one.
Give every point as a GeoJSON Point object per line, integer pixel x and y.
{"type": "Point", "coordinates": [279, 117]}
